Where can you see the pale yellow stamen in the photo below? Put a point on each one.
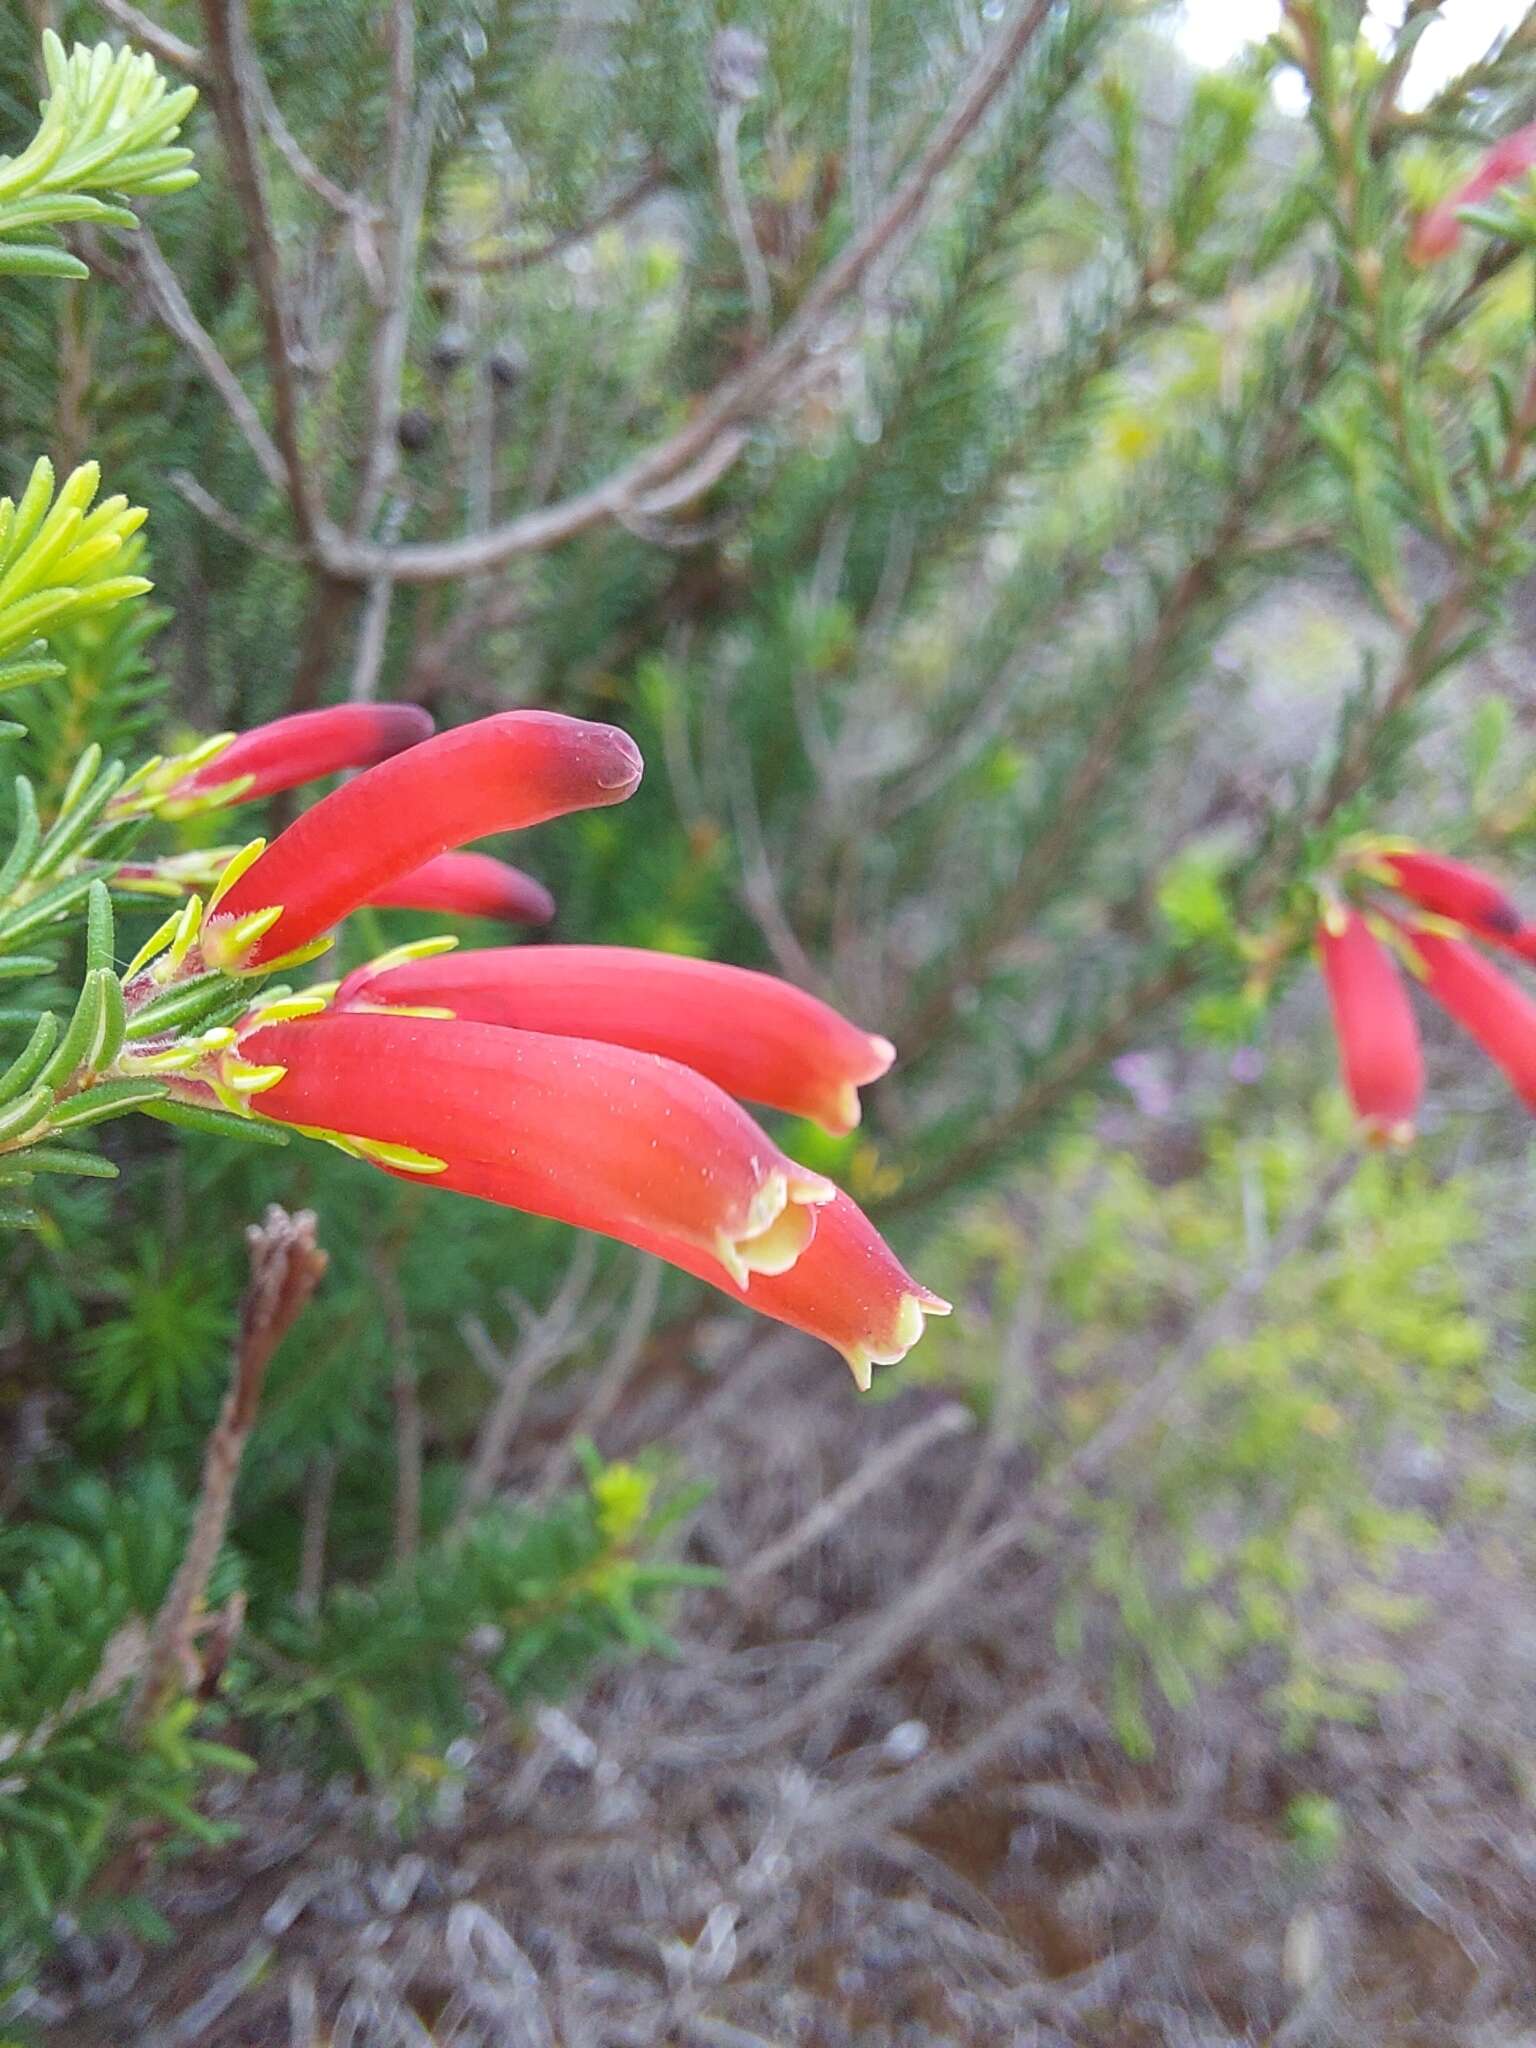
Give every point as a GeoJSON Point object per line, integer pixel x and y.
{"type": "Point", "coordinates": [402, 1158]}
{"type": "Point", "coordinates": [219, 796]}
{"type": "Point", "coordinates": [243, 1078]}
{"type": "Point", "coordinates": [147, 789]}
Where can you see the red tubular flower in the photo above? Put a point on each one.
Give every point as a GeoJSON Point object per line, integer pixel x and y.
{"type": "Point", "coordinates": [847, 1288]}
{"type": "Point", "coordinates": [1437, 232]}
{"type": "Point", "coordinates": [1495, 1012]}
{"type": "Point", "coordinates": [497, 775]}
{"type": "Point", "coordinates": [469, 885]}
{"type": "Point", "coordinates": [1453, 889]}
{"type": "Point", "coordinates": [1379, 1052]}
{"type": "Point", "coordinates": [750, 1034]}
{"type": "Point", "coordinates": [615, 1140]}
{"type": "Point", "coordinates": [281, 755]}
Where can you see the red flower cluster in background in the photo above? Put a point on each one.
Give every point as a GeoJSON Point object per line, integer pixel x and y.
{"type": "Point", "coordinates": [1437, 233]}
{"type": "Point", "coordinates": [590, 1084]}
{"type": "Point", "coordinates": [1438, 906]}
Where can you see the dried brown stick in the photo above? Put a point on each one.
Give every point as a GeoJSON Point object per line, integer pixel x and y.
{"type": "Point", "coordinates": [285, 1269]}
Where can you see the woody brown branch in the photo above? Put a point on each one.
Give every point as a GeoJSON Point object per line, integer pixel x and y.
{"type": "Point", "coordinates": [227, 55]}
{"type": "Point", "coordinates": [286, 1266]}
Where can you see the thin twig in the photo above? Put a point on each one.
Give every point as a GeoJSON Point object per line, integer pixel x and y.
{"type": "Point", "coordinates": [406, 1400]}
{"type": "Point", "coordinates": [1017, 1370]}
{"type": "Point", "coordinates": [760, 891]}
{"type": "Point", "coordinates": [738, 213]}
{"type": "Point", "coordinates": [186, 58]}
{"type": "Point", "coordinates": [544, 1342]}
{"type": "Point", "coordinates": [1185, 603]}
{"type": "Point", "coordinates": [160, 42]}
{"type": "Point", "coordinates": [1220, 1323]}
{"type": "Point", "coordinates": [870, 1809]}
{"type": "Point", "coordinates": [1439, 628]}
{"type": "Point", "coordinates": [628, 1348]}
{"type": "Point", "coordinates": [175, 314]}
{"type": "Point", "coordinates": [830, 1512]}
{"type": "Point", "coordinates": [861, 188]}
{"type": "Point", "coordinates": [1052, 1083]}
{"type": "Point", "coordinates": [407, 163]}
{"type": "Point", "coordinates": [373, 626]}
{"type": "Point", "coordinates": [232, 69]}
{"type": "Point", "coordinates": [202, 500]}
{"type": "Point", "coordinates": [349, 205]}
{"type": "Point", "coordinates": [319, 1489]}
{"type": "Point", "coordinates": [623, 202]}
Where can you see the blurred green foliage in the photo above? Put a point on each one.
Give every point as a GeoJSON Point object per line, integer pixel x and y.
{"type": "Point", "coordinates": [1266, 1514]}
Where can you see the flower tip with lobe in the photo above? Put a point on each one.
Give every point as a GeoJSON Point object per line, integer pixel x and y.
{"type": "Point", "coordinates": [607, 752]}
{"type": "Point", "coordinates": [850, 1290]}
{"type": "Point", "coordinates": [908, 1325]}
{"type": "Point", "coordinates": [840, 1110]}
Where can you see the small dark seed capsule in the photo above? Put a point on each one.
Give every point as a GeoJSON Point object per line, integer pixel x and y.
{"type": "Point", "coordinates": [507, 365]}
{"type": "Point", "coordinates": [414, 429]}
{"type": "Point", "coordinates": [448, 350]}
{"type": "Point", "coordinates": [736, 61]}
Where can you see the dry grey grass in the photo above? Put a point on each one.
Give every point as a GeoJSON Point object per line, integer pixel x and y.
{"type": "Point", "coordinates": [733, 1850]}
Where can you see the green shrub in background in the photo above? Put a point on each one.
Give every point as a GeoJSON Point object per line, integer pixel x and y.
{"type": "Point", "coordinates": [1275, 1490]}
